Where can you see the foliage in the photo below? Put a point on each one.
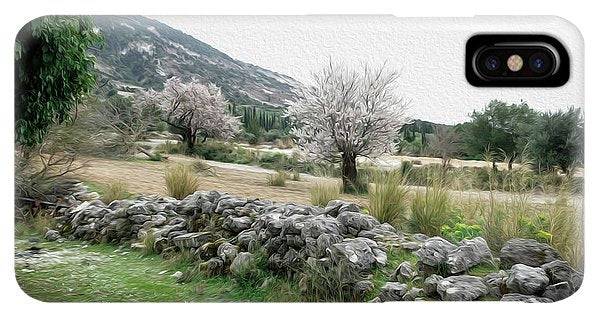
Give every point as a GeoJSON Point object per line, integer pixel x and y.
{"type": "Point", "coordinates": [194, 108]}
{"type": "Point", "coordinates": [501, 128]}
{"type": "Point", "coordinates": [277, 179]}
{"type": "Point", "coordinates": [558, 140]}
{"type": "Point", "coordinates": [148, 240]}
{"type": "Point", "coordinates": [203, 168]}
{"type": "Point", "coordinates": [54, 72]}
{"type": "Point", "coordinates": [445, 144]}
{"type": "Point", "coordinates": [322, 192]}
{"type": "Point", "coordinates": [430, 209]}
{"type": "Point", "coordinates": [460, 231]}
{"type": "Point", "coordinates": [116, 190]}
{"type": "Point", "coordinates": [325, 281]}
{"type": "Point", "coordinates": [169, 147]}
{"type": "Point", "coordinates": [348, 113]}
{"type": "Point", "coordinates": [181, 181]}
{"type": "Point", "coordinates": [224, 152]}
{"type": "Point", "coordinates": [125, 123]}
{"type": "Point", "coordinates": [387, 198]}
{"type": "Point", "coordinates": [295, 176]}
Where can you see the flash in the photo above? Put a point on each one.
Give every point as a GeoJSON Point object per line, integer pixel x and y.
{"type": "Point", "coordinates": [515, 63]}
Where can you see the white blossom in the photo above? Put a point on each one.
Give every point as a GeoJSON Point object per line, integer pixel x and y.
{"type": "Point", "coordinates": [197, 109]}
{"type": "Point", "coordinates": [348, 112]}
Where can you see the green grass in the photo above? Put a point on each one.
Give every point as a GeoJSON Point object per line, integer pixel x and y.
{"type": "Point", "coordinates": [483, 269]}
{"type": "Point", "coordinates": [107, 273]}
{"type": "Point", "coordinates": [381, 275]}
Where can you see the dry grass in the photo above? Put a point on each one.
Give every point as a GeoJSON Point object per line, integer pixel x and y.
{"type": "Point", "coordinates": [387, 198]}
{"type": "Point", "coordinates": [181, 181]}
{"type": "Point", "coordinates": [324, 191]}
{"type": "Point", "coordinates": [277, 179]}
{"type": "Point", "coordinates": [116, 190]}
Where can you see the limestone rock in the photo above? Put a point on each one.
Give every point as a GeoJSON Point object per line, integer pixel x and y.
{"type": "Point", "coordinates": [526, 251]}
{"type": "Point", "coordinates": [392, 291]}
{"type": "Point", "coordinates": [462, 288]}
{"type": "Point", "coordinates": [526, 280]}
{"type": "Point", "coordinates": [469, 253]}
{"type": "Point", "coordinates": [516, 297]}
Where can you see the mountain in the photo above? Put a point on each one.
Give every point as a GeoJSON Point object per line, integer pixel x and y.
{"type": "Point", "coordinates": [142, 53]}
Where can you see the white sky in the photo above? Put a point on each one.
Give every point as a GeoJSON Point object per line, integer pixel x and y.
{"type": "Point", "coordinates": [428, 53]}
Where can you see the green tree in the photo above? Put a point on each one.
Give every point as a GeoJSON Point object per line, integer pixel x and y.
{"type": "Point", "coordinates": [501, 129]}
{"type": "Point", "coordinates": [558, 140]}
{"type": "Point", "coordinates": [53, 73]}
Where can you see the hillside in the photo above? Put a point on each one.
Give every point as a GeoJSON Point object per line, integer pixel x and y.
{"type": "Point", "coordinates": [142, 53]}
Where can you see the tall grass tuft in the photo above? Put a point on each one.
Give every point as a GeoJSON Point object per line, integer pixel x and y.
{"type": "Point", "coordinates": [148, 241]}
{"type": "Point", "coordinates": [322, 192]}
{"type": "Point", "coordinates": [277, 179]}
{"type": "Point", "coordinates": [430, 209]}
{"type": "Point", "coordinates": [116, 190]}
{"type": "Point", "coordinates": [333, 282]}
{"type": "Point", "coordinates": [181, 181]}
{"type": "Point", "coordinates": [387, 198]}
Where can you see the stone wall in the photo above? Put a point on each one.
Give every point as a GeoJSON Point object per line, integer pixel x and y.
{"type": "Point", "coordinates": [223, 231]}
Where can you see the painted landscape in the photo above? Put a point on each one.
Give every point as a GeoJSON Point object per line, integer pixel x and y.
{"type": "Point", "coordinates": [152, 167]}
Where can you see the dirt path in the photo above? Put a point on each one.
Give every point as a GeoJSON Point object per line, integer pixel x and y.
{"type": "Point", "coordinates": [147, 177]}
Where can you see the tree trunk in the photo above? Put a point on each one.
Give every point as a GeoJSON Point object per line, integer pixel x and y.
{"type": "Point", "coordinates": [349, 173]}
{"type": "Point", "coordinates": [190, 138]}
{"type": "Point", "coordinates": [511, 161]}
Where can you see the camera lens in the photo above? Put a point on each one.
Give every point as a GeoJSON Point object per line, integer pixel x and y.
{"type": "Point", "coordinates": [492, 63]}
{"type": "Point", "coordinates": [539, 62]}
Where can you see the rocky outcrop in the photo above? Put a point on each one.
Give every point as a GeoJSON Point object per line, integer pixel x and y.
{"type": "Point", "coordinates": [526, 280]}
{"type": "Point", "coordinates": [231, 235]}
{"type": "Point", "coordinates": [439, 254]}
{"type": "Point", "coordinates": [461, 288]}
{"type": "Point", "coordinates": [526, 251]}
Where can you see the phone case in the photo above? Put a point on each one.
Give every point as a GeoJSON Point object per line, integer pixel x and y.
{"type": "Point", "coordinates": [291, 158]}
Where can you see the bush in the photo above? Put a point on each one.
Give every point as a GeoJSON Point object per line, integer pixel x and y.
{"type": "Point", "coordinates": [202, 167]}
{"type": "Point", "coordinates": [329, 282]}
{"type": "Point", "coordinates": [224, 152]}
{"type": "Point", "coordinates": [430, 209]}
{"type": "Point", "coordinates": [162, 126]}
{"type": "Point", "coordinates": [277, 179]}
{"type": "Point", "coordinates": [387, 198]}
{"type": "Point", "coordinates": [155, 157]}
{"type": "Point", "coordinates": [461, 231]}
{"type": "Point", "coordinates": [296, 176]}
{"type": "Point", "coordinates": [172, 148]}
{"type": "Point", "coordinates": [323, 192]}
{"type": "Point", "coordinates": [181, 181]}
{"type": "Point", "coordinates": [116, 190]}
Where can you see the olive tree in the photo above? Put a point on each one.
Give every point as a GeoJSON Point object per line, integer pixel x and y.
{"type": "Point", "coordinates": [53, 73]}
{"type": "Point", "coordinates": [194, 108]}
{"type": "Point", "coordinates": [348, 113]}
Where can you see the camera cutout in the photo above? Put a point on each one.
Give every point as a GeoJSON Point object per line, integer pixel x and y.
{"type": "Point", "coordinates": [516, 60]}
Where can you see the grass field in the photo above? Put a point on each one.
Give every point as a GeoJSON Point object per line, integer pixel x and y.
{"type": "Point", "coordinates": [74, 271]}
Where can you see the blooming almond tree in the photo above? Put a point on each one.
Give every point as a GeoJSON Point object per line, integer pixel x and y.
{"type": "Point", "coordinates": [347, 113]}
{"type": "Point", "coordinates": [194, 108]}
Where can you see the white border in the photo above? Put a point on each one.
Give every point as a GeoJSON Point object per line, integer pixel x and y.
{"type": "Point", "coordinates": [16, 14]}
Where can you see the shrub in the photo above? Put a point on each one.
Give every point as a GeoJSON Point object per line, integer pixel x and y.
{"type": "Point", "coordinates": [180, 181]}
{"type": "Point", "coordinates": [172, 148]}
{"type": "Point", "coordinates": [162, 126]}
{"type": "Point", "coordinates": [224, 152]}
{"type": "Point", "coordinates": [430, 209]}
{"type": "Point", "coordinates": [461, 231]}
{"type": "Point", "coordinates": [41, 223]}
{"type": "Point", "coordinates": [116, 190]}
{"type": "Point", "coordinates": [202, 167]}
{"type": "Point", "coordinates": [277, 179]}
{"type": "Point", "coordinates": [387, 198]}
{"type": "Point", "coordinates": [296, 176]}
{"type": "Point", "coordinates": [148, 241]}
{"type": "Point", "coordinates": [155, 157]}
{"type": "Point", "coordinates": [323, 192]}
{"type": "Point", "coordinates": [329, 282]}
